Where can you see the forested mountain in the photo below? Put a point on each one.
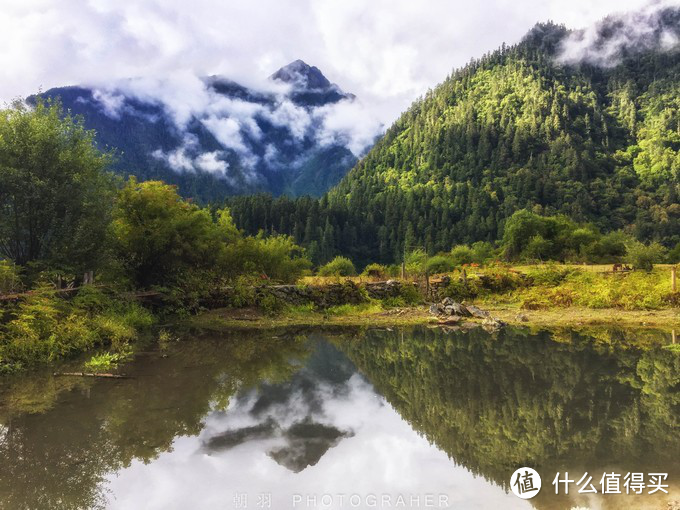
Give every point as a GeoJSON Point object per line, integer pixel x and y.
{"type": "Point", "coordinates": [214, 137]}
{"type": "Point", "coordinates": [585, 124]}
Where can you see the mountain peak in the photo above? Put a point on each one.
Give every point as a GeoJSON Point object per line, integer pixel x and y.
{"type": "Point", "coordinates": [302, 75]}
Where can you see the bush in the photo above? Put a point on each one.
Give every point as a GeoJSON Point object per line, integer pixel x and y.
{"type": "Point", "coordinates": [643, 257]}
{"type": "Point", "coordinates": [440, 264]}
{"type": "Point", "coordinates": [9, 277]}
{"type": "Point", "coordinates": [549, 275]}
{"type": "Point", "coordinates": [44, 327]}
{"type": "Point", "coordinates": [462, 254]}
{"type": "Point", "coordinates": [375, 270]}
{"type": "Point", "coordinates": [339, 266]}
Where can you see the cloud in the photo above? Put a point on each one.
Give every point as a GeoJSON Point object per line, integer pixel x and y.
{"type": "Point", "coordinates": [295, 118]}
{"type": "Point", "coordinates": [348, 123]}
{"type": "Point", "coordinates": [188, 158]}
{"type": "Point", "coordinates": [387, 52]}
{"type": "Point", "coordinates": [604, 43]}
{"type": "Point", "coordinates": [208, 162]}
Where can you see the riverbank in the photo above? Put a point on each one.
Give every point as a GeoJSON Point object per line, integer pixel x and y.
{"type": "Point", "coordinates": [373, 315]}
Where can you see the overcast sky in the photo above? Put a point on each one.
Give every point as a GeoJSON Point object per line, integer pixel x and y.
{"type": "Point", "coordinates": [387, 52]}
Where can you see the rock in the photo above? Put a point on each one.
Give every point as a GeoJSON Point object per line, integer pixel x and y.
{"type": "Point", "coordinates": [454, 319]}
{"type": "Point", "coordinates": [477, 312]}
{"type": "Point", "coordinates": [447, 301]}
{"type": "Point", "coordinates": [521, 317]}
{"type": "Point", "coordinates": [461, 310]}
{"type": "Point", "coordinates": [449, 310]}
{"type": "Point", "coordinates": [493, 323]}
{"type": "Point", "coordinates": [436, 309]}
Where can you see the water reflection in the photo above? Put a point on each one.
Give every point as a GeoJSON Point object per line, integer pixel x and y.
{"type": "Point", "coordinates": [423, 413]}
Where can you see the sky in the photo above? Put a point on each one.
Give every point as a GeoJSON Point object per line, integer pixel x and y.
{"type": "Point", "coordinates": [387, 52]}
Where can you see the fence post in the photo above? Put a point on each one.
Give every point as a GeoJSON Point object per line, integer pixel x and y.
{"type": "Point", "coordinates": [673, 279]}
{"type": "Point", "coordinates": [427, 284]}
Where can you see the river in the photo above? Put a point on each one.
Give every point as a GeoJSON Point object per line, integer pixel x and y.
{"type": "Point", "coordinates": [377, 418]}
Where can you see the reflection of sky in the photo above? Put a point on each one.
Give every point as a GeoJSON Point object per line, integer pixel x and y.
{"type": "Point", "coordinates": [378, 454]}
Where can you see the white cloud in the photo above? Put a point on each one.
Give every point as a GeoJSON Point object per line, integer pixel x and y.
{"type": "Point", "coordinates": [295, 118]}
{"type": "Point", "coordinates": [348, 123]}
{"type": "Point", "coordinates": [640, 30]}
{"type": "Point", "coordinates": [209, 162]}
{"type": "Point", "coordinates": [387, 52]}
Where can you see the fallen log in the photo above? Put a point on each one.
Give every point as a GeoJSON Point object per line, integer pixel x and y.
{"type": "Point", "coordinates": [92, 374]}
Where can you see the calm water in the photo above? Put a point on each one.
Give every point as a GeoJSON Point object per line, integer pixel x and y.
{"type": "Point", "coordinates": [419, 418]}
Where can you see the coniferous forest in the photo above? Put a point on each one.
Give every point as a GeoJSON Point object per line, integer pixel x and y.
{"type": "Point", "coordinates": [513, 130]}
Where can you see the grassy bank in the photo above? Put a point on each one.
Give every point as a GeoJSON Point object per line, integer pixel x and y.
{"type": "Point", "coordinates": [548, 295]}
{"type": "Point", "coordinates": [45, 326]}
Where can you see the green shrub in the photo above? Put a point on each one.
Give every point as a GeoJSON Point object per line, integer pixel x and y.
{"type": "Point", "coordinates": [339, 266]}
{"type": "Point", "coordinates": [462, 254]}
{"type": "Point", "coordinates": [270, 304]}
{"type": "Point", "coordinates": [9, 277]}
{"type": "Point", "coordinates": [643, 257]}
{"type": "Point", "coordinates": [45, 327]}
{"type": "Point", "coordinates": [105, 361]}
{"type": "Point", "coordinates": [549, 275]}
{"type": "Point", "coordinates": [440, 264]}
{"type": "Point", "coordinates": [375, 270]}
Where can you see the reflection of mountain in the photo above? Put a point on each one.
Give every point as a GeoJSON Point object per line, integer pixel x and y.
{"type": "Point", "coordinates": [214, 137]}
{"type": "Point", "coordinates": [291, 412]}
{"type": "Point", "coordinates": [492, 402]}
{"type": "Point", "coordinates": [306, 444]}
{"type": "Point", "coordinates": [60, 456]}
{"type": "Point", "coordinates": [498, 402]}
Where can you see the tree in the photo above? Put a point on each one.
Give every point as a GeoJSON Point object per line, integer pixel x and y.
{"type": "Point", "coordinates": [157, 235]}
{"type": "Point", "coordinates": [643, 256]}
{"type": "Point", "coordinates": [55, 191]}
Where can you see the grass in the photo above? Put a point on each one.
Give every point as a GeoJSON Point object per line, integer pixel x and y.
{"type": "Point", "coordinates": [361, 315]}
{"type": "Point", "coordinates": [546, 295]}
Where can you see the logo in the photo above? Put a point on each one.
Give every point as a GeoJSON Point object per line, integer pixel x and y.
{"type": "Point", "coordinates": [525, 483]}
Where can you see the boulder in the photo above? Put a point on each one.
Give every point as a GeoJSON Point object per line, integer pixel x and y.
{"type": "Point", "coordinates": [436, 309]}
{"type": "Point", "coordinates": [493, 323]}
{"type": "Point", "coordinates": [461, 310]}
{"type": "Point", "coordinates": [477, 312]}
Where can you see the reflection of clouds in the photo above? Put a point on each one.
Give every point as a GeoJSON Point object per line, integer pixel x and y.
{"type": "Point", "coordinates": [383, 456]}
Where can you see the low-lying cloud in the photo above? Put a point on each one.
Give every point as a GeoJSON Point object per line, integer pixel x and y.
{"type": "Point", "coordinates": [237, 123]}
{"type": "Point", "coordinates": [654, 27]}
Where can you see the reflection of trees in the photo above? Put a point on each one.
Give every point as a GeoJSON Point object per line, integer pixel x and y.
{"type": "Point", "coordinates": [58, 458]}
{"type": "Point", "coordinates": [497, 402]}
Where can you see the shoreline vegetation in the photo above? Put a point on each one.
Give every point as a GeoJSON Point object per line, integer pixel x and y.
{"type": "Point", "coordinates": [92, 263]}
{"type": "Point", "coordinates": [544, 296]}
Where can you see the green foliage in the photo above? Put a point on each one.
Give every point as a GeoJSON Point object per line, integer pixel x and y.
{"type": "Point", "coordinates": [408, 296]}
{"type": "Point", "coordinates": [158, 235]}
{"type": "Point", "coordinates": [416, 262]}
{"type": "Point", "coordinates": [512, 131]}
{"type": "Point", "coordinates": [376, 270]}
{"type": "Point", "coordinates": [462, 254]}
{"type": "Point", "coordinates": [276, 257]}
{"type": "Point", "coordinates": [643, 256]}
{"type": "Point", "coordinates": [549, 275]}
{"type": "Point", "coordinates": [440, 264]}
{"type": "Point", "coordinates": [270, 304]}
{"type": "Point", "coordinates": [55, 193]}
{"type": "Point", "coordinates": [9, 277]}
{"type": "Point", "coordinates": [105, 361]}
{"type": "Point", "coordinates": [554, 286]}
{"type": "Point", "coordinates": [339, 266]}
{"type": "Point", "coordinates": [45, 327]}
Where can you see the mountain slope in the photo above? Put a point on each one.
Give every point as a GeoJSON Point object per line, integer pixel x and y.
{"type": "Point", "coordinates": [552, 125]}
{"type": "Point", "coordinates": [219, 138]}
